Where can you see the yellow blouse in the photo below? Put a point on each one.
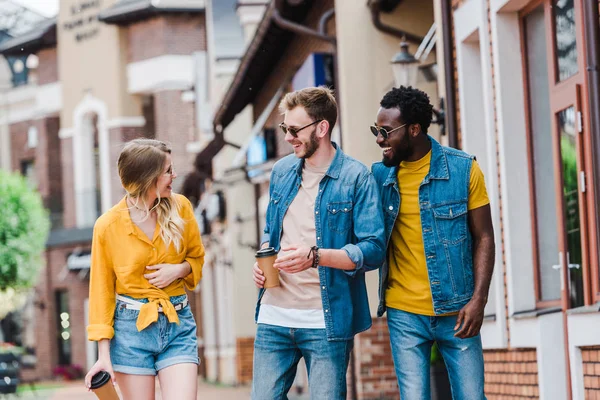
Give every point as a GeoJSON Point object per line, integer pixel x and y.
{"type": "Point", "coordinates": [120, 254]}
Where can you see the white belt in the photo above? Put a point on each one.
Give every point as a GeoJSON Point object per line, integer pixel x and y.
{"type": "Point", "coordinates": [132, 304]}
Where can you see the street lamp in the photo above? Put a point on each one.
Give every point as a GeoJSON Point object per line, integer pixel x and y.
{"type": "Point", "coordinates": [406, 68]}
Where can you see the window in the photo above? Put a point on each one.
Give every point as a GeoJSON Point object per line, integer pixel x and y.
{"type": "Point", "coordinates": [28, 171]}
{"type": "Point", "coordinates": [566, 43]}
{"type": "Point", "coordinates": [32, 137]}
{"type": "Point", "coordinates": [541, 161]}
{"type": "Point", "coordinates": [89, 195]}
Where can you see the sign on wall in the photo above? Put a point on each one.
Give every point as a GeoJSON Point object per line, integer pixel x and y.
{"type": "Point", "coordinates": [82, 19]}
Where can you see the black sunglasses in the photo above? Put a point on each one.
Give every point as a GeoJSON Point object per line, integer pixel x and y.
{"type": "Point", "coordinates": [376, 130]}
{"type": "Point", "coordinates": [294, 131]}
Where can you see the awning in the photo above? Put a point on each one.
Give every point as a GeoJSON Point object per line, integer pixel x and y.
{"type": "Point", "coordinates": [31, 42]}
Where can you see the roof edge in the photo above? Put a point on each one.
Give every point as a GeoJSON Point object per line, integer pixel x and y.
{"type": "Point", "coordinates": [247, 59]}
{"type": "Point", "coordinates": [122, 14]}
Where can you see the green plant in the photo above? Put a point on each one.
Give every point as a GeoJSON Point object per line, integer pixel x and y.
{"type": "Point", "coordinates": [24, 226]}
{"type": "Point", "coordinates": [436, 355]}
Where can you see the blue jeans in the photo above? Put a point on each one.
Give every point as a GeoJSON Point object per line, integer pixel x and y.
{"type": "Point", "coordinates": [412, 336]}
{"type": "Point", "coordinates": [277, 351]}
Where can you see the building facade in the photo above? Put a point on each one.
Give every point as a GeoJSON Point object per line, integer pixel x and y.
{"type": "Point", "coordinates": [108, 72]}
{"type": "Point", "coordinates": [526, 87]}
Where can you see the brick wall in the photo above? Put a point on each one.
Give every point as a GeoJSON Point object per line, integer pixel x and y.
{"type": "Point", "coordinates": [591, 371]}
{"type": "Point", "coordinates": [18, 144]}
{"type": "Point", "coordinates": [180, 34]}
{"type": "Point", "coordinates": [511, 374]}
{"type": "Point", "coordinates": [48, 66]}
{"type": "Point", "coordinates": [68, 178]}
{"type": "Point", "coordinates": [52, 278]}
{"type": "Point", "coordinates": [244, 354]}
{"type": "Point", "coordinates": [373, 364]}
{"type": "Point", "coordinates": [174, 122]}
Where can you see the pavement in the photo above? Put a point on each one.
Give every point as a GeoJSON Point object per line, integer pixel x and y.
{"type": "Point", "coordinates": [76, 391]}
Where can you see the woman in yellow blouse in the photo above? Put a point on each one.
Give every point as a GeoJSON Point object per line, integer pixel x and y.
{"type": "Point", "coordinates": [145, 251]}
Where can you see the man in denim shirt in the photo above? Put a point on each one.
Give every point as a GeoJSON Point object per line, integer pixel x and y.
{"type": "Point", "coordinates": [325, 220]}
{"type": "Point", "coordinates": [436, 278]}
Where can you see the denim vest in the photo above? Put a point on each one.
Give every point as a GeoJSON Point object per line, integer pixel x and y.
{"type": "Point", "coordinates": [347, 217]}
{"type": "Point", "coordinates": [443, 198]}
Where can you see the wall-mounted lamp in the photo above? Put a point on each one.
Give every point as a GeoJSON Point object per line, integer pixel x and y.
{"type": "Point", "coordinates": [406, 68]}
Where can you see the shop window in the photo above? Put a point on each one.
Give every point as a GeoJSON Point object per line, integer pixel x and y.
{"type": "Point", "coordinates": [63, 327]}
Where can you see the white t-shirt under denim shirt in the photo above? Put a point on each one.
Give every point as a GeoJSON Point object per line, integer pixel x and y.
{"type": "Point", "coordinates": [297, 303]}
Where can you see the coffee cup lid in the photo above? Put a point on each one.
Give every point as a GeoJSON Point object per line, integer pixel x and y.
{"type": "Point", "coordinates": [100, 379]}
{"type": "Point", "coordinates": [266, 252]}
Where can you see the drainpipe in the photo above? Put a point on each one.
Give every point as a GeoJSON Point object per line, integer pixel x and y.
{"type": "Point", "coordinates": [592, 39]}
{"type": "Point", "coordinates": [320, 34]}
{"type": "Point", "coordinates": [375, 6]}
{"type": "Point", "coordinates": [451, 122]}
{"type": "Point", "coordinates": [300, 29]}
{"type": "Point", "coordinates": [450, 101]}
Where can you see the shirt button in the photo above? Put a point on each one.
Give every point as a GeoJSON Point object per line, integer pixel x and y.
{"type": "Point", "coordinates": [326, 310]}
{"type": "Point", "coordinates": [345, 209]}
{"type": "Point", "coordinates": [316, 212]}
{"type": "Point", "coordinates": [391, 208]}
{"type": "Point", "coordinates": [323, 287]}
{"type": "Point", "coordinates": [318, 237]}
{"type": "Point", "coordinates": [333, 210]}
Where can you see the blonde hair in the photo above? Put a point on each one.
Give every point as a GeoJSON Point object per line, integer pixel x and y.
{"type": "Point", "coordinates": [140, 164]}
{"type": "Point", "coordinates": [318, 102]}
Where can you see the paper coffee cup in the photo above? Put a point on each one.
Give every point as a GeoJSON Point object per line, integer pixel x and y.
{"type": "Point", "coordinates": [265, 259]}
{"type": "Point", "coordinates": [103, 387]}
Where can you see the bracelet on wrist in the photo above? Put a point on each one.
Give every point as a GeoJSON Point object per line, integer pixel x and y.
{"type": "Point", "coordinates": [314, 250]}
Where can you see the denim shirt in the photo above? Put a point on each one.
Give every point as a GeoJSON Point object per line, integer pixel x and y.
{"type": "Point", "coordinates": [443, 199]}
{"type": "Point", "coordinates": [348, 216]}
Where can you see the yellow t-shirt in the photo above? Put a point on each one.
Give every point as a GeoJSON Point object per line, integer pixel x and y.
{"type": "Point", "coordinates": [408, 281]}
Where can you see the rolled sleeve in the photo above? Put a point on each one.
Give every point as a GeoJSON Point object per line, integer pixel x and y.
{"type": "Point", "coordinates": [102, 291]}
{"type": "Point", "coordinates": [266, 238]}
{"type": "Point", "coordinates": [369, 251]}
{"type": "Point", "coordinates": [195, 248]}
{"type": "Point", "coordinates": [356, 256]}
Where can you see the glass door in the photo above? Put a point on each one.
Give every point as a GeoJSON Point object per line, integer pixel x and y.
{"type": "Point", "coordinates": [571, 210]}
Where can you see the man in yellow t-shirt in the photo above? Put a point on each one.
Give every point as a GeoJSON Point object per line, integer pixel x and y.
{"type": "Point", "coordinates": [440, 248]}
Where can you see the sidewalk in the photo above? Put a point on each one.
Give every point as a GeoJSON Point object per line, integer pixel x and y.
{"type": "Point", "coordinates": [76, 391]}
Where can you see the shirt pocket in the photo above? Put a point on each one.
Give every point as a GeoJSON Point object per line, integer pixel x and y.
{"type": "Point", "coordinates": [451, 222]}
{"type": "Point", "coordinates": [125, 273]}
{"type": "Point", "coordinates": [339, 216]}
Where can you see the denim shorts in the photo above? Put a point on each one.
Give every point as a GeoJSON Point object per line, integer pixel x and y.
{"type": "Point", "coordinates": [159, 346]}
